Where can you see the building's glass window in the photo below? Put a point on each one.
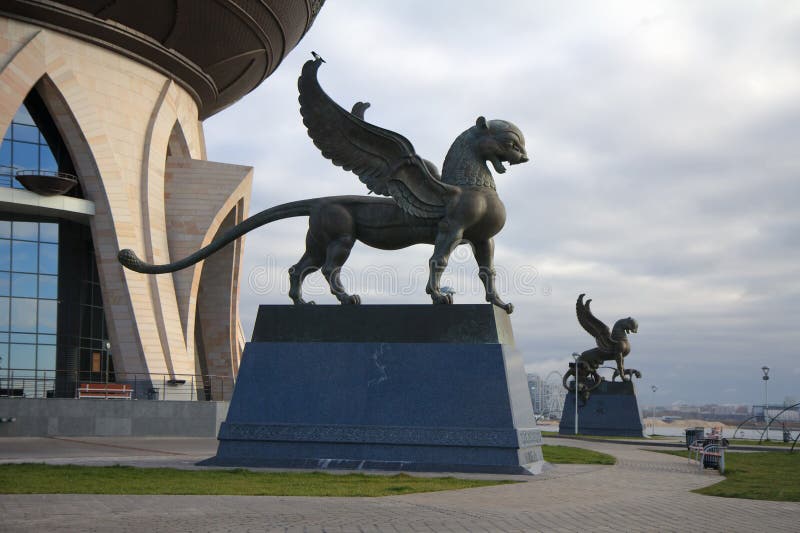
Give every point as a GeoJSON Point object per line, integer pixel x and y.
{"type": "Point", "coordinates": [23, 148]}
{"type": "Point", "coordinates": [4, 316]}
{"type": "Point", "coordinates": [51, 312]}
{"type": "Point", "coordinates": [28, 301]}
{"type": "Point", "coordinates": [48, 258]}
{"type": "Point", "coordinates": [28, 270]}
{"type": "Point", "coordinates": [24, 285]}
{"type": "Point", "coordinates": [5, 284]}
{"type": "Point", "coordinates": [48, 286]}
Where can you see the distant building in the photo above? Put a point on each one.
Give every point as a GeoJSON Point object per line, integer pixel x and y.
{"type": "Point", "coordinates": [115, 97]}
{"type": "Point", "coordinates": [536, 390]}
{"type": "Point", "coordinates": [783, 412]}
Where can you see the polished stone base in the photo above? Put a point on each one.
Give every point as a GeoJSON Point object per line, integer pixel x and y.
{"type": "Point", "coordinates": [347, 401]}
{"type": "Point", "coordinates": [612, 410]}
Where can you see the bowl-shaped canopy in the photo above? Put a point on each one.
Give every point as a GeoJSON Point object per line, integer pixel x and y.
{"type": "Point", "coordinates": [45, 182]}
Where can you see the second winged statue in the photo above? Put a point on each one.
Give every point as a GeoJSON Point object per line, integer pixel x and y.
{"type": "Point", "coordinates": [458, 206]}
{"type": "Point", "coordinates": [612, 345]}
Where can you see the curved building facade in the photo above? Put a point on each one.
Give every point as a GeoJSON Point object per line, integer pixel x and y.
{"type": "Point", "coordinates": [114, 93]}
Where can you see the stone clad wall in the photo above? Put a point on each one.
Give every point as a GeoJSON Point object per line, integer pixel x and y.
{"type": "Point", "coordinates": [118, 119]}
{"type": "Point", "coordinates": [110, 418]}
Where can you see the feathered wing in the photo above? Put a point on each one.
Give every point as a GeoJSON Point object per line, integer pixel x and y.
{"type": "Point", "coordinates": [594, 326]}
{"type": "Point", "coordinates": [383, 160]}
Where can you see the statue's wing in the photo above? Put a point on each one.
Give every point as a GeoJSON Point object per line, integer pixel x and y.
{"type": "Point", "coordinates": [384, 160]}
{"type": "Point", "coordinates": [358, 110]}
{"type": "Point", "coordinates": [594, 326]}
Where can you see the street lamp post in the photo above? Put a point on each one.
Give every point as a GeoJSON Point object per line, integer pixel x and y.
{"type": "Point", "coordinates": [653, 417]}
{"type": "Point", "coordinates": [107, 353]}
{"type": "Point", "coordinates": [765, 377]}
{"type": "Point", "coordinates": [577, 384]}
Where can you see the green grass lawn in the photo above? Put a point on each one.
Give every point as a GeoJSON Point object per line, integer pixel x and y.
{"type": "Point", "coordinates": [570, 455]}
{"type": "Point", "coordinates": [71, 479]}
{"type": "Point", "coordinates": [757, 476]}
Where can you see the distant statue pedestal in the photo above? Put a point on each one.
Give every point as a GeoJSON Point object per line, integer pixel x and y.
{"type": "Point", "coordinates": [384, 387]}
{"type": "Point", "coordinates": [611, 410]}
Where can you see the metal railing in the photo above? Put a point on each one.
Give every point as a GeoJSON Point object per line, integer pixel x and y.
{"type": "Point", "coordinates": [26, 383]}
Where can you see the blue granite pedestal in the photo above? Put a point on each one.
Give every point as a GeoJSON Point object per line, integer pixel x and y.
{"type": "Point", "coordinates": [611, 410]}
{"type": "Point", "coordinates": [454, 397]}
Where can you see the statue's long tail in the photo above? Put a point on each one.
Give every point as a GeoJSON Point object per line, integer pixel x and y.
{"type": "Point", "coordinates": [293, 209]}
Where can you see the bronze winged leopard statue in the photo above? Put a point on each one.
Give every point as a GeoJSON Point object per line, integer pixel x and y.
{"type": "Point", "coordinates": [459, 206]}
{"type": "Point", "coordinates": [612, 345]}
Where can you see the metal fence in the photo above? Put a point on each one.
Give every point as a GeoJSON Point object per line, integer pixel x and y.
{"type": "Point", "coordinates": [24, 383]}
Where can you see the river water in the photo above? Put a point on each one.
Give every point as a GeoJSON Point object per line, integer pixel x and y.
{"type": "Point", "coordinates": [679, 430]}
{"type": "Point", "coordinates": [755, 434]}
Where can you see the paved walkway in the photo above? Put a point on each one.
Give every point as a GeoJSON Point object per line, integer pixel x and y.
{"type": "Point", "coordinates": [645, 491]}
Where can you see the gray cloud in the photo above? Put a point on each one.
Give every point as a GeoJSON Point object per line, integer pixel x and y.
{"type": "Point", "coordinates": [663, 180]}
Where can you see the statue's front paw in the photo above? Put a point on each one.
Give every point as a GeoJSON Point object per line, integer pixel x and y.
{"type": "Point", "coordinates": [507, 307]}
{"type": "Point", "coordinates": [350, 299]}
{"type": "Point", "coordinates": [441, 298]}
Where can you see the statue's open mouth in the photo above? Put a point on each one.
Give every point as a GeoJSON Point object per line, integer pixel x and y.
{"type": "Point", "coordinates": [497, 164]}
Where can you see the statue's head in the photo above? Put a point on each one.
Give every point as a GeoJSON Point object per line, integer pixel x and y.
{"type": "Point", "coordinates": [500, 141]}
{"type": "Point", "coordinates": [625, 325]}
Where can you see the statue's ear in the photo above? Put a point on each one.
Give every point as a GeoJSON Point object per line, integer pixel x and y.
{"type": "Point", "coordinates": [481, 123]}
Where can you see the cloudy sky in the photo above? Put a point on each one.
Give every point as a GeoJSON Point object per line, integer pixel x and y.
{"type": "Point", "coordinates": [665, 144]}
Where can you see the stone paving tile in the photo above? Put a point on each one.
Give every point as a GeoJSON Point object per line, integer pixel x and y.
{"type": "Point", "coordinates": [644, 492]}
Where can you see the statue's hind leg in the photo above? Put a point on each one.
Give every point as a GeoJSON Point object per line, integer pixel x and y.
{"type": "Point", "coordinates": [310, 262]}
{"type": "Point", "coordinates": [337, 253]}
{"type": "Point", "coordinates": [484, 256]}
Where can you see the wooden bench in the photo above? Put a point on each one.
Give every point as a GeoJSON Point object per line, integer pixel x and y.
{"type": "Point", "coordinates": [105, 390]}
